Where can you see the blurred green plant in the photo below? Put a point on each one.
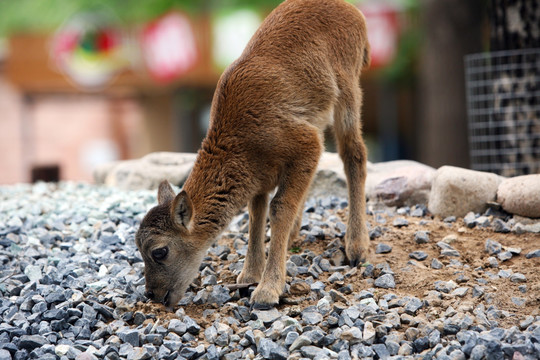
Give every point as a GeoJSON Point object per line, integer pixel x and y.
{"type": "Point", "coordinates": [46, 15]}
{"type": "Point", "coordinates": [402, 70]}
{"type": "Point", "coordinates": [18, 16]}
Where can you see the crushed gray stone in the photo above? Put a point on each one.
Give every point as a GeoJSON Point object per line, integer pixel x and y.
{"type": "Point", "coordinates": [72, 278]}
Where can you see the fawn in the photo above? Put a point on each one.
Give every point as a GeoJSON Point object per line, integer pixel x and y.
{"type": "Point", "coordinates": [299, 74]}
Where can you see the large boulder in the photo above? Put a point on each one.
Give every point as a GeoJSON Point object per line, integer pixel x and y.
{"type": "Point", "coordinates": [521, 195]}
{"type": "Point", "coordinates": [456, 191]}
{"type": "Point", "coordinates": [399, 183]}
{"type": "Point", "coordinates": [330, 177]}
{"type": "Point", "coordinates": [394, 183]}
{"type": "Point", "coordinates": [146, 172]}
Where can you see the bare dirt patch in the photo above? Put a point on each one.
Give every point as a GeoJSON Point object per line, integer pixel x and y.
{"type": "Point", "coordinates": [514, 301]}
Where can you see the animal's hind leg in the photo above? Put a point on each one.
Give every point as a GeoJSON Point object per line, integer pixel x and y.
{"type": "Point", "coordinates": [353, 152]}
{"type": "Point", "coordinates": [297, 223]}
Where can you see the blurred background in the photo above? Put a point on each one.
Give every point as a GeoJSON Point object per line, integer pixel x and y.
{"type": "Point", "coordinates": [83, 82]}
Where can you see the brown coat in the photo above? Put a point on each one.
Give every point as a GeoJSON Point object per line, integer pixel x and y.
{"type": "Point", "coordinates": [299, 74]}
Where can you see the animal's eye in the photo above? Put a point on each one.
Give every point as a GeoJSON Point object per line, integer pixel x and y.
{"type": "Point", "coordinates": [160, 254]}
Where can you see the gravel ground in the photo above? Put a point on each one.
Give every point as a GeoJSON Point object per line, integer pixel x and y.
{"type": "Point", "coordinates": [71, 286]}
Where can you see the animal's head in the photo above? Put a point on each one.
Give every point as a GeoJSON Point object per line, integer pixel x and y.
{"type": "Point", "coordinates": [170, 255]}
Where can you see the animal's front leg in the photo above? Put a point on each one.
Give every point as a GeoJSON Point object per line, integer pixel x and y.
{"type": "Point", "coordinates": [254, 263]}
{"type": "Point", "coordinates": [272, 284]}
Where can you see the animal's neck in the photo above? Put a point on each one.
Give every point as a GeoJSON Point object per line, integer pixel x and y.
{"type": "Point", "coordinates": [218, 189]}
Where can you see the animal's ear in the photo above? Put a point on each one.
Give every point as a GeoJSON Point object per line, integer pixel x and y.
{"type": "Point", "coordinates": [165, 193]}
{"type": "Point", "coordinates": [181, 209]}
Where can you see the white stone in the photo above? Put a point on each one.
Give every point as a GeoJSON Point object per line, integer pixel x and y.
{"type": "Point", "coordinates": [521, 195]}
{"type": "Point", "coordinates": [369, 333]}
{"type": "Point", "coordinates": [146, 172]}
{"type": "Point", "coordinates": [61, 350]}
{"type": "Point", "coordinates": [33, 272]}
{"type": "Point", "coordinates": [352, 335]}
{"type": "Point", "coordinates": [456, 191]}
{"type": "Point", "coordinates": [394, 183]}
{"type": "Point", "coordinates": [399, 182]}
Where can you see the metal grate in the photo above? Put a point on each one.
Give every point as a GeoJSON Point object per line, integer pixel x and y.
{"type": "Point", "coordinates": [503, 103]}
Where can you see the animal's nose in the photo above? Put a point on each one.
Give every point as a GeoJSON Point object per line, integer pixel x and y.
{"type": "Point", "coordinates": [150, 294]}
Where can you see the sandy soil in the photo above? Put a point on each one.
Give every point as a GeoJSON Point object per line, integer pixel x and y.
{"type": "Point", "coordinates": [415, 280]}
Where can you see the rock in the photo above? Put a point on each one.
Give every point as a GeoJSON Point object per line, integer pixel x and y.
{"type": "Point", "coordinates": [290, 338]}
{"type": "Point", "coordinates": [300, 342]}
{"type": "Point", "coordinates": [456, 191]}
{"type": "Point", "coordinates": [5, 354]}
{"type": "Point", "coordinates": [470, 220]}
{"type": "Point", "coordinates": [30, 342]}
{"type": "Point", "coordinates": [483, 221]}
{"type": "Point", "coordinates": [311, 317]}
{"type": "Point", "coordinates": [436, 264]}
{"type": "Point", "coordinates": [270, 350]}
{"type": "Point", "coordinates": [399, 183]}
{"type": "Point", "coordinates": [191, 325]}
{"type": "Point", "coordinates": [33, 272]}
{"type": "Point", "coordinates": [381, 351]}
{"type": "Point", "coordinates": [421, 344]}
{"type": "Point", "coordinates": [413, 305]}
{"type": "Point", "coordinates": [385, 281]}
{"type": "Point", "coordinates": [500, 226]}
{"type": "Point", "coordinates": [447, 250]}
{"type": "Point", "coordinates": [299, 288]}
{"type": "Point", "coordinates": [405, 349]}
{"type": "Point", "coordinates": [445, 286]}
{"type": "Point", "coordinates": [421, 237]}
{"type": "Point", "coordinates": [518, 278]}
{"type": "Point", "coordinates": [504, 255]}
{"type": "Point", "coordinates": [383, 248]}
{"type": "Point", "coordinates": [267, 316]}
{"type": "Point", "coordinates": [400, 222]}
{"type": "Point", "coordinates": [533, 254]}
{"type": "Point", "coordinates": [492, 247]}
{"type": "Point", "coordinates": [369, 333]}
{"type": "Point", "coordinates": [449, 239]}
{"type": "Point", "coordinates": [335, 277]}
{"type": "Point", "coordinates": [147, 172]}
{"type": "Point", "coordinates": [375, 232]}
{"type": "Point", "coordinates": [210, 334]}
{"type": "Point", "coordinates": [520, 195]}
{"type": "Point", "coordinates": [219, 295]}
{"type": "Point", "coordinates": [352, 335]}
{"type": "Point", "coordinates": [329, 178]}
{"type": "Point", "coordinates": [291, 268]}
{"type": "Point", "coordinates": [493, 262]}
{"type": "Point", "coordinates": [418, 255]}
{"type": "Point", "coordinates": [460, 291]}
{"type": "Point", "coordinates": [129, 336]}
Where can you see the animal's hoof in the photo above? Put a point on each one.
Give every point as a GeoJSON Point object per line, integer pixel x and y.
{"type": "Point", "coordinates": [265, 296]}
{"type": "Point", "coordinates": [357, 252]}
{"type": "Point", "coordinates": [244, 278]}
{"type": "Point", "coordinates": [358, 261]}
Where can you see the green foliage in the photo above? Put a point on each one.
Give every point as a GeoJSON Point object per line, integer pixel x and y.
{"type": "Point", "coordinates": [295, 250]}
{"type": "Point", "coordinates": [46, 15]}
{"type": "Point", "coordinates": [402, 69]}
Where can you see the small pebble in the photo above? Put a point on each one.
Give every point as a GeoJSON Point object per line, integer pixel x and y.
{"type": "Point", "coordinates": [383, 248]}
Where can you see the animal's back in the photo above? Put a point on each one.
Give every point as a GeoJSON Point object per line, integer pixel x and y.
{"type": "Point", "coordinates": [302, 28]}
{"type": "Point", "coordinates": [303, 57]}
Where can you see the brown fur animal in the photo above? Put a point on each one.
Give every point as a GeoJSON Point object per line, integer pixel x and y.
{"type": "Point", "coordinates": [299, 74]}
